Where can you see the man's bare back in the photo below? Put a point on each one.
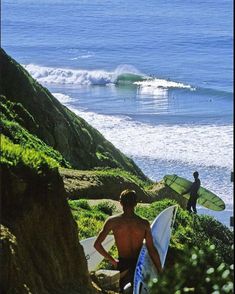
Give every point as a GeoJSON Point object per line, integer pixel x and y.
{"type": "Point", "coordinates": [129, 233]}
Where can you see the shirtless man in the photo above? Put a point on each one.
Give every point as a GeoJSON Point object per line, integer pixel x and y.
{"type": "Point", "coordinates": [129, 231]}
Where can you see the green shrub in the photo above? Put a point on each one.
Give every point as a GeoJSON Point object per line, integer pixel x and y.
{"type": "Point", "coordinates": [14, 119]}
{"type": "Point", "coordinates": [106, 207]}
{"type": "Point", "coordinates": [197, 271]}
{"type": "Point", "coordinates": [151, 211]}
{"type": "Point", "coordinates": [209, 229]}
{"type": "Point", "coordinates": [88, 227]}
{"type": "Point", "coordinates": [90, 220]}
{"type": "Point", "coordinates": [81, 203]}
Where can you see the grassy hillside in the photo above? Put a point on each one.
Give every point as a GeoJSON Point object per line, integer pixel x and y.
{"type": "Point", "coordinates": [13, 120]}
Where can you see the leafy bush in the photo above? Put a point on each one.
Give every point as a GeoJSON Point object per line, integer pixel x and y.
{"type": "Point", "coordinates": [197, 271]}
{"type": "Point", "coordinates": [81, 203]}
{"type": "Point", "coordinates": [106, 207]}
{"type": "Point", "coordinates": [208, 228]}
{"type": "Point", "coordinates": [89, 227]}
{"type": "Point", "coordinates": [89, 219]}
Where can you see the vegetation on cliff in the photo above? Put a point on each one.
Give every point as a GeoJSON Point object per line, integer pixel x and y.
{"type": "Point", "coordinates": [13, 120]}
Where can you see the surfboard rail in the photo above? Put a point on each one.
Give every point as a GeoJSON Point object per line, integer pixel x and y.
{"type": "Point", "coordinates": [93, 257]}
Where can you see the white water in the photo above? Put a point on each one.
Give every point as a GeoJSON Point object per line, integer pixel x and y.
{"type": "Point", "coordinates": [174, 143]}
{"type": "Point", "coordinates": [50, 75]}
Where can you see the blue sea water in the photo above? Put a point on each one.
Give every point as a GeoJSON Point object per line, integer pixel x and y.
{"type": "Point", "coordinates": [155, 77]}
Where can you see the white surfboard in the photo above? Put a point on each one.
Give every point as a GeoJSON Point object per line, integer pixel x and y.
{"type": "Point", "coordinates": [161, 230]}
{"type": "Point", "coordinates": [93, 257]}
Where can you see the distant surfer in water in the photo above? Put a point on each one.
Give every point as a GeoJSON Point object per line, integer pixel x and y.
{"type": "Point", "coordinates": [193, 193]}
{"type": "Point", "coordinates": [129, 231]}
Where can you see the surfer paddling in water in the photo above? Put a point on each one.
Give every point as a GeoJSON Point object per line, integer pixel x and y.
{"type": "Point", "coordinates": [129, 231]}
{"type": "Point", "coordinates": [193, 193]}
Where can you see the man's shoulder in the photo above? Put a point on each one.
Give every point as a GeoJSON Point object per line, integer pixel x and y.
{"type": "Point", "coordinates": [114, 218]}
{"type": "Point", "coordinates": [120, 216]}
{"type": "Point", "coordinates": [142, 220]}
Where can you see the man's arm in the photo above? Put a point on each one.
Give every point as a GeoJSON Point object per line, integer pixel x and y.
{"type": "Point", "coordinates": [152, 250]}
{"type": "Point", "coordinates": [98, 243]}
{"type": "Point", "coordinates": [187, 191]}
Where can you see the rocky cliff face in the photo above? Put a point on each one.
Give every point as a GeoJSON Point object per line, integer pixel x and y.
{"type": "Point", "coordinates": [40, 252]}
{"type": "Point", "coordinates": [79, 143]}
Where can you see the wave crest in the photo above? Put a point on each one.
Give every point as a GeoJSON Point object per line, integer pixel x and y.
{"type": "Point", "coordinates": [122, 75]}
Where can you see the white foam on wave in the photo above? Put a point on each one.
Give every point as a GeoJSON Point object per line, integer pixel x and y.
{"type": "Point", "coordinates": [204, 145]}
{"type": "Point", "coordinates": [50, 75]}
{"type": "Point", "coordinates": [64, 99]}
{"type": "Point", "coordinates": [153, 91]}
{"type": "Point", "coordinates": [159, 87]}
{"type": "Point", "coordinates": [161, 83]}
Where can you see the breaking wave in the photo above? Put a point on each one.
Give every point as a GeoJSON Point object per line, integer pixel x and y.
{"type": "Point", "coordinates": [122, 75]}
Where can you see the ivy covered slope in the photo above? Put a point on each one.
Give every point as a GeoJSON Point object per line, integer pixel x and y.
{"type": "Point", "coordinates": [40, 250]}
{"type": "Point", "coordinates": [79, 143]}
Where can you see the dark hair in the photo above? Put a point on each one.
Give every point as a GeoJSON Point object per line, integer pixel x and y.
{"type": "Point", "coordinates": [196, 174]}
{"type": "Point", "coordinates": [128, 198]}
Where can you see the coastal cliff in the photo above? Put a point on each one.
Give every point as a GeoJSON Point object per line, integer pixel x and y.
{"type": "Point", "coordinates": [79, 143]}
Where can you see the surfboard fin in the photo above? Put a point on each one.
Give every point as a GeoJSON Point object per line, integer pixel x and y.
{"type": "Point", "coordinates": [127, 289]}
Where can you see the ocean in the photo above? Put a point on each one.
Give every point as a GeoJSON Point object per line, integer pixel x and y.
{"type": "Point", "coordinates": [154, 77]}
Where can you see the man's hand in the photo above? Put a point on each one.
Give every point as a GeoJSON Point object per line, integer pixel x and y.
{"type": "Point", "coordinates": [98, 243]}
{"type": "Point", "coordinates": [114, 262]}
{"type": "Point", "coordinates": [152, 250]}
